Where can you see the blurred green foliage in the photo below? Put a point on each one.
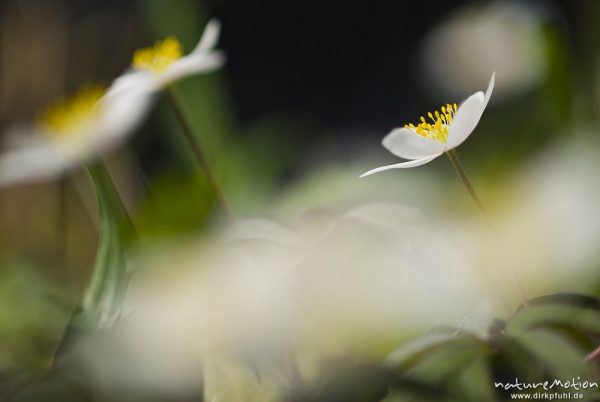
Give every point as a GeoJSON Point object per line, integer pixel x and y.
{"type": "Point", "coordinates": [177, 204]}
{"type": "Point", "coordinates": [32, 318]}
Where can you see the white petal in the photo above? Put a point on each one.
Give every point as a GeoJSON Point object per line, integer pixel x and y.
{"type": "Point", "coordinates": [262, 229]}
{"type": "Point", "coordinates": [22, 137]}
{"type": "Point", "coordinates": [489, 90]}
{"type": "Point", "coordinates": [193, 63]}
{"type": "Point", "coordinates": [407, 144]}
{"type": "Point", "coordinates": [468, 115]}
{"type": "Point", "coordinates": [120, 115]}
{"type": "Point", "coordinates": [402, 165]}
{"type": "Point", "coordinates": [210, 36]}
{"type": "Point", "coordinates": [466, 118]}
{"type": "Point", "coordinates": [133, 80]}
{"type": "Point", "coordinates": [34, 163]}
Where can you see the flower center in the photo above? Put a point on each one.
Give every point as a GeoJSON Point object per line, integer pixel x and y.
{"type": "Point", "coordinates": [158, 57]}
{"type": "Point", "coordinates": [437, 129]}
{"type": "Point", "coordinates": [71, 115]}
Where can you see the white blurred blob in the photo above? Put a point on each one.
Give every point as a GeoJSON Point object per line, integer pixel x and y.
{"type": "Point", "coordinates": [257, 306]}
{"type": "Point", "coordinates": [459, 54]}
{"type": "Point", "coordinates": [265, 293]}
{"type": "Point", "coordinates": [552, 226]}
{"type": "Point", "coordinates": [36, 153]}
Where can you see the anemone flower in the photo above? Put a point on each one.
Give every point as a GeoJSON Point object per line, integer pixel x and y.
{"type": "Point", "coordinates": [96, 120]}
{"type": "Point", "coordinates": [154, 68]}
{"type": "Point", "coordinates": [446, 130]}
{"type": "Point", "coordinates": [68, 133]}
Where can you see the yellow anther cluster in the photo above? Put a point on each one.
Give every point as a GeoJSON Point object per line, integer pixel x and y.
{"type": "Point", "coordinates": [437, 128]}
{"type": "Point", "coordinates": [71, 114]}
{"type": "Point", "coordinates": [158, 57]}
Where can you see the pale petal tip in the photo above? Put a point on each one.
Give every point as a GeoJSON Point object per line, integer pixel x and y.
{"type": "Point", "coordinates": [210, 36]}
{"type": "Point", "coordinates": [214, 26]}
{"type": "Point", "coordinates": [490, 87]}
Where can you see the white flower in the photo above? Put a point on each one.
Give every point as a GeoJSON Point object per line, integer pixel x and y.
{"type": "Point", "coordinates": [371, 274]}
{"type": "Point", "coordinates": [428, 140]}
{"type": "Point", "coordinates": [156, 67]}
{"type": "Point", "coordinates": [68, 133]}
{"type": "Point", "coordinates": [95, 121]}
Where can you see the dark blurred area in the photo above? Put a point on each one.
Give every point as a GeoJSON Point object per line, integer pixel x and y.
{"type": "Point", "coordinates": [344, 65]}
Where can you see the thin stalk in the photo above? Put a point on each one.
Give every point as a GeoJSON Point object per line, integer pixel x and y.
{"type": "Point", "coordinates": [198, 151]}
{"type": "Point", "coordinates": [62, 220]}
{"type": "Point", "coordinates": [460, 170]}
{"type": "Point", "coordinates": [116, 196]}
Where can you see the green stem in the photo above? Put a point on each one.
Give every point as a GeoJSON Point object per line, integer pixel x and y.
{"type": "Point", "coordinates": [460, 170]}
{"type": "Point", "coordinates": [194, 144]}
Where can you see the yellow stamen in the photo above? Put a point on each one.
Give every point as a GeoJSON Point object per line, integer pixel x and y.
{"type": "Point", "coordinates": [439, 129]}
{"type": "Point", "coordinates": [158, 57]}
{"type": "Point", "coordinates": [71, 115]}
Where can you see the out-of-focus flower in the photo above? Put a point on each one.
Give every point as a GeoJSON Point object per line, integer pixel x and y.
{"type": "Point", "coordinates": [156, 67]}
{"type": "Point", "coordinates": [549, 227]}
{"type": "Point", "coordinates": [428, 140]}
{"type": "Point", "coordinates": [68, 133]}
{"type": "Point", "coordinates": [507, 37]}
{"type": "Point", "coordinates": [96, 120]}
{"type": "Point", "coordinates": [265, 293]}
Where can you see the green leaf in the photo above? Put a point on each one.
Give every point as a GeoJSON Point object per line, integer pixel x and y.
{"type": "Point", "coordinates": [410, 353]}
{"type": "Point", "coordinates": [414, 352]}
{"type": "Point", "coordinates": [101, 302]}
{"type": "Point", "coordinates": [475, 381]}
{"type": "Point", "coordinates": [514, 359]}
{"type": "Point", "coordinates": [571, 299]}
{"type": "Point", "coordinates": [448, 360]}
{"type": "Point", "coordinates": [551, 314]}
{"type": "Point", "coordinates": [560, 357]}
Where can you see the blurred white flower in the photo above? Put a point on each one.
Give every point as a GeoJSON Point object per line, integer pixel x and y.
{"type": "Point", "coordinates": [428, 140]}
{"type": "Point", "coordinates": [506, 37]}
{"type": "Point", "coordinates": [69, 133]}
{"type": "Point", "coordinates": [373, 275]}
{"type": "Point", "coordinates": [96, 120]}
{"type": "Point", "coordinates": [549, 226]}
{"type": "Point", "coordinates": [156, 67]}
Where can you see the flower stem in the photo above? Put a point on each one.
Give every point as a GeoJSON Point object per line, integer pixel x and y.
{"type": "Point", "coordinates": [198, 152]}
{"type": "Point", "coordinates": [460, 170]}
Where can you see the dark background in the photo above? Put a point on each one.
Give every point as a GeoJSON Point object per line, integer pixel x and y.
{"type": "Point", "coordinates": [343, 63]}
